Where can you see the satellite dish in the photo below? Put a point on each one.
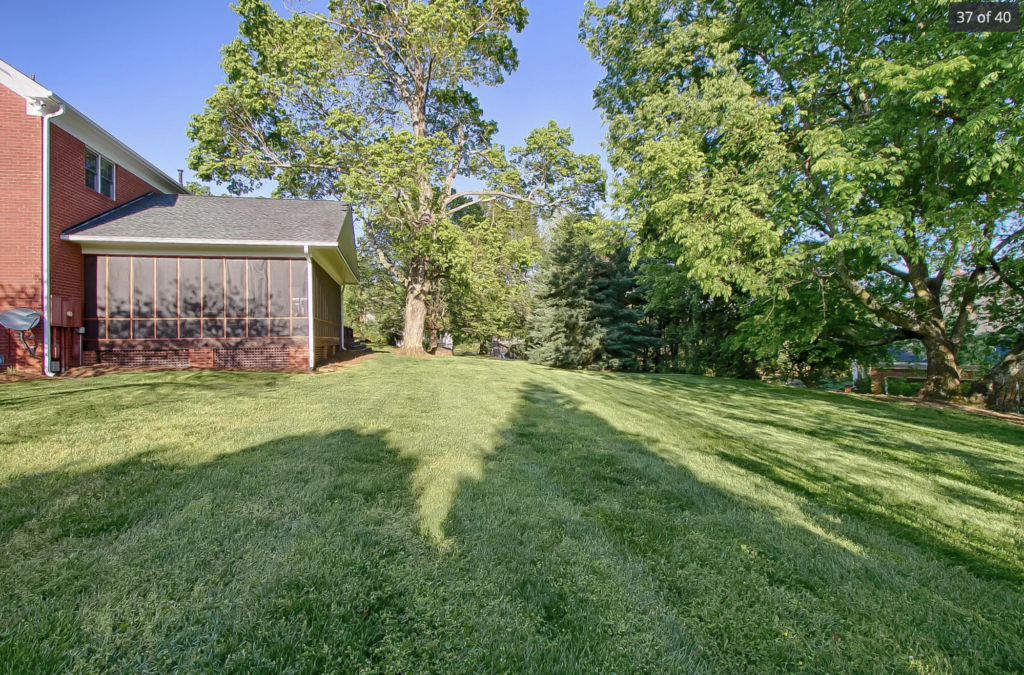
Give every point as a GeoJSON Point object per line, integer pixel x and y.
{"type": "Point", "coordinates": [22, 321]}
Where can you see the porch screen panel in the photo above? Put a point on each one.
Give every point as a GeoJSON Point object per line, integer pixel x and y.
{"type": "Point", "coordinates": [95, 304]}
{"type": "Point", "coordinates": [167, 298]}
{"type": "Point", "coordinates": [143, 288]}
{"type": "Point", "coordinates": [280, 298]}
{"type": "Point", "coordinates": [213, 298]}
{"type": "Point", "coordinates": [234, 288]}
{"type": "Point", "coordinates": [258, 299]}
{"type": "Point", "coordinates": [213, 288]}
{"type": "Point", "coordinates": [119, 298]}
{"type": "Point", "coordinates": [143, 298]}
{"type": "Point", "coordinates": [190, 287]}
{"type": "Point", "coordinates": [327, 308]}
{"type": "Point", "coordinates": [299, 294]}
{"type": "Point", "coordinates": [146, 298]}
{"type": "Point", "coordinates": [119, 293]}
{"type": "Point", "coordinates": [258, 288]}
{"type": "Point", "coordinates": [167, 288]}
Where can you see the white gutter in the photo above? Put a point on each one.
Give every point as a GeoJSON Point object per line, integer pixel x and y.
{"type": "Point", "coordinates": [343, 318]}
{"type": "Point", "coordinates": [195, 242]}
{"type": "Point", "coordinates": [309, 307]}
{"type": "Point", "coordinates": [46, 240]}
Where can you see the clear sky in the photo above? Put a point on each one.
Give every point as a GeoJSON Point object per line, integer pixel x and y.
{"type": "Point", "coordinates": [141, 68]}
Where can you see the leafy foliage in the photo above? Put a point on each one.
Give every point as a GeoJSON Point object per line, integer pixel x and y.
{"type": "Point", "coordinates": [369, 103]}
{"type": "Point", "coordinates": [490, 284]}
{"type": "Point", "coordinates": [855, 144]}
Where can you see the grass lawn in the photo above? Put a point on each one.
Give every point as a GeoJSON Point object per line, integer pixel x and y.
{"type": "Point", "coordinates": [476, 516]}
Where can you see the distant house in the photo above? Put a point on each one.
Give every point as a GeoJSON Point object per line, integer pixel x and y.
{"type": "Point", "coordinates": [912, 371]}
{"type": "Point", "coordinates": [126, 267]}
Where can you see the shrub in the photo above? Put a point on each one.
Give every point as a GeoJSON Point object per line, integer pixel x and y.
{"type": "Point", "coordinates": [899, 386]}
{"type": "Point", "coordinates": [863, 385]}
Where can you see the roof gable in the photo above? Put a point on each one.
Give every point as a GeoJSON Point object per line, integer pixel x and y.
{"type": "Point", "coordinates": [41, 101]}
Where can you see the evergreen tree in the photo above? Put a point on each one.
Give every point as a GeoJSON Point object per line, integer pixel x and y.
{"type": "Point", "coordinates": [698, 331]}
{"type": "Point", "coordinates": [563, 326]}
{"type": "Point", "coordinates": [588, 308]}
{"type": "Point", "coordinates": [617, 305]}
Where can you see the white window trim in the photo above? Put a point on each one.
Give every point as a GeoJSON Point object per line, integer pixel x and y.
{"type": "Point", "coordinates": [97, 188]}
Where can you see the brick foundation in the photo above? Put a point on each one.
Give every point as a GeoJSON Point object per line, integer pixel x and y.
{"type": "Point", "coordinates": [266, 358]}
{"type": "Point", "coordinates": [200, 358]}
{"type": "Point", "coordinates": [149, 358]}
{"type": "Point", "coordinates": [251, 359]}
{"type": "Point", "coordinates": [324, 353]}
{"type": "Point", "coordinates": [298, 357]}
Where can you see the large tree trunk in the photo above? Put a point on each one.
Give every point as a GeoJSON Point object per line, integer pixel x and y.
{"type": "Point", "coordinates": [415, 308]}
{"type": "Point", "coordinates": [995, 387]}
{"type": "Point", "coordinates": [943, 372]}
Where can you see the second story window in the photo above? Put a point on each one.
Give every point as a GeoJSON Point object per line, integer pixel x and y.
{"type": "Point", "coordinates": [99, 173]}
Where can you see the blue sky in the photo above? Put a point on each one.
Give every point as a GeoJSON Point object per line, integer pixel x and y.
{"type": "Point", "coordinates": [140, 69]}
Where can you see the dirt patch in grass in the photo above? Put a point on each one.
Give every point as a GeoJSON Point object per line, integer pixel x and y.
{"type": "Point", "coordinates": [19, 376]}
{"type": "Point", "coordinates": [346, 360]}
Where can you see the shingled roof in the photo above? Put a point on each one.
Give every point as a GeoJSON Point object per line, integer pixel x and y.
{"type": "Point", "coordinates": [190, 219]}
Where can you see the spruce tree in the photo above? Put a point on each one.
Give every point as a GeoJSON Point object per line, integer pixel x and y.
{"type": "Point", "coordinates": [588, 307]}
{"type": "Point", "coordinates": [617, 305]}
{"type": "Point", "coordinates": [563, 327]}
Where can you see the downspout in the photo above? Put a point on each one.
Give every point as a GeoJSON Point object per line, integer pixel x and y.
{"type": "Point", "coordinates": [309, 307]}
{"type": "Point", "coordinates": [46, 239]}
{"type": "Point", "coordinates": [343, 318]}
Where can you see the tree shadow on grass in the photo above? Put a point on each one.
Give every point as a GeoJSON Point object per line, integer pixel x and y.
{"type": "Point", "coordinates": [616, 557]}
{"type": "Point", "coordinates": [254, 559]}
{"type": "Point", "coordinates": [576, 549]}
{"type": "Point", "coordinates": [927, 476]}
{"type": "Point", "coordinates": [739, 394]}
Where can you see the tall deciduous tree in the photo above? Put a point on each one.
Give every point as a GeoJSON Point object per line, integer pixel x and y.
{"type": "Point", "coordinates": [858, 141]}
{"type": "Point", "coordinates": [370, 103]}
{"type": "Point", "coordinates": [489, 280]}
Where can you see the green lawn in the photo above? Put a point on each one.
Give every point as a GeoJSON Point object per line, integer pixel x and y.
{"type": "Point", "coordinates": [476, 516]}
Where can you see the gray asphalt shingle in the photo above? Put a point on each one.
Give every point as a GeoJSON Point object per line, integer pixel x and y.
{"type": "Point", "coordinates": [193, 218]}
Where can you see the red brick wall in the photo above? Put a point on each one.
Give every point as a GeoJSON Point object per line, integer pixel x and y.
{"type": "Point", "coordinates": [71, 202]}
{"type": "Point", "coordinates": [21, 185]}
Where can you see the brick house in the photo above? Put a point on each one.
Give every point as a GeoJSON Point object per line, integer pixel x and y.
{"type": "Point", "coordinates": [126, 267]}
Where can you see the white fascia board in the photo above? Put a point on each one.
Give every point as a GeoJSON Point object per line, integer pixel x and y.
{"type": "Point", "coordinates": [39, 101]}
{"type": "Point", "coordinates": [105, 143]}
{"type": "Point", "coordinates": [21, 84]}
{"type": "Point", "coordinates": [83, 238]}
{"type": "Point", "coordinates": [333, 262]}
{"type": "Point", "coordinates": [347, 246]}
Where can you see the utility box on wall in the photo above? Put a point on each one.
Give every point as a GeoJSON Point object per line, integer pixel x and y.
{"type": "Point", "coordinates": [65, 312]}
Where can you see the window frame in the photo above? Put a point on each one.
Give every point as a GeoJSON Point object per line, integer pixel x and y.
{"type": "Point", "coordinates": [97, 185]}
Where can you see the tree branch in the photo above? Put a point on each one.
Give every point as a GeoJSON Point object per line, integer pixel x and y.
{"type": "Point", "coordinates": [489, 193]}
{"type": "Point", "coordinates": [889, 269]}
{"type": "Point", "coordinates": [881, 309]}
{"type": "Point", "coordinates": [475, 202]}
{"type": "Point", "coordinates": [967, 306]}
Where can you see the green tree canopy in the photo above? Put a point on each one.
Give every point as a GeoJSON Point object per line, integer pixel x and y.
{"type": "Point", "coordinates": [370, 103]}
{"type": "Point", "coordinates": [862, 143]}
{"type": "Point", "coordinates": [588, 307]}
